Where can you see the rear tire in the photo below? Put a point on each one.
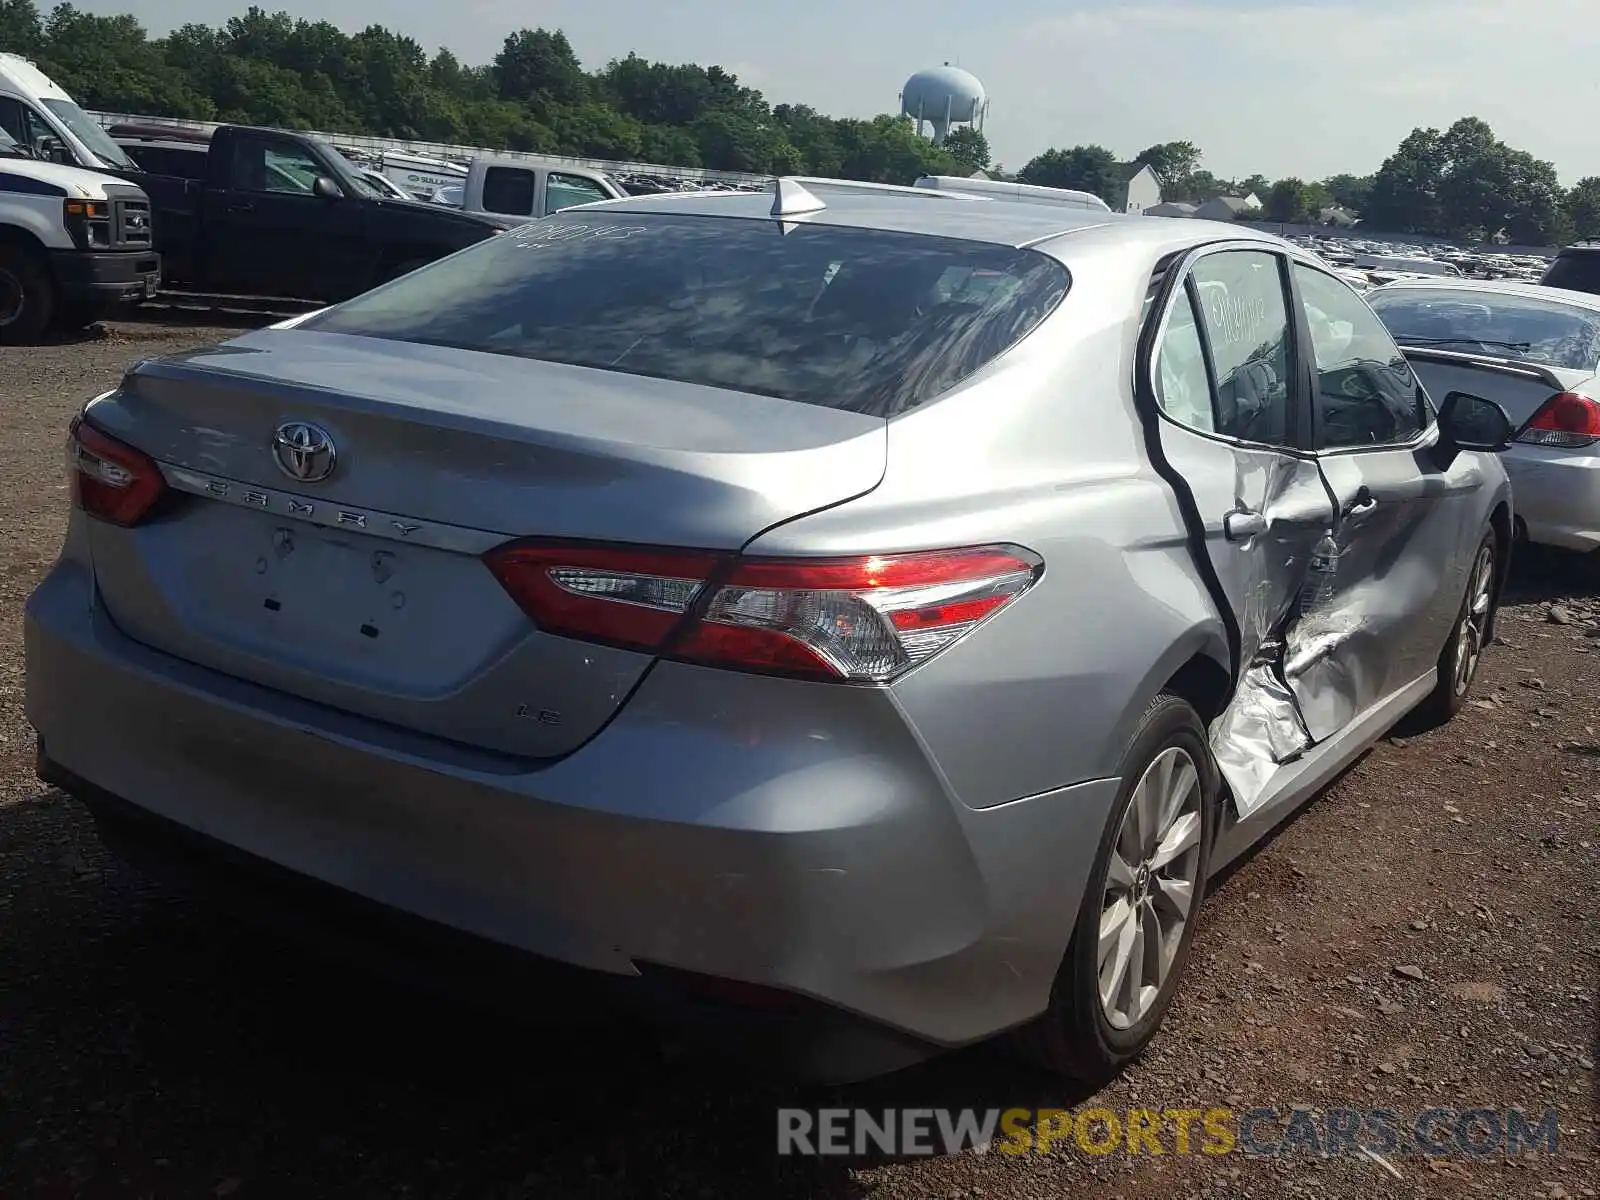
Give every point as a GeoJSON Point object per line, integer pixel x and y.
{"type": "Point", "coordinates": [27, 296]}
{"type": "Point", "coordinates": [1137, 918]}
{"type": "Point", "coordinates": [72, 317]}
{"type": "Point", "coordinates": [1463, 649]}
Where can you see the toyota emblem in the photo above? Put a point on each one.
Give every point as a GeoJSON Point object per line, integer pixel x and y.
{"type": "Point", "coordinates": [303, 451]}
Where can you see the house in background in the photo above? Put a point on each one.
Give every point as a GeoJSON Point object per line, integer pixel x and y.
{"type": "Point", "coordinates": [1170, 208]}
{"type": "Point", "coordinates": [1138, 188]}
{"type": "Point", "coordinates": [1228, 208]}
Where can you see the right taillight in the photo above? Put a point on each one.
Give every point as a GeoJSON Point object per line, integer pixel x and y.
{"type": "Point", "coordinates": [1566, 420]}
{"type": "Point", "coordinates": [110, 479]}
{"type": "Point", "coordinates": [865, 619]}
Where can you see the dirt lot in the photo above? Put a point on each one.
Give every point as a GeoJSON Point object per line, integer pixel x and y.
{"type": "Point", "coordinates": [1424, 935]}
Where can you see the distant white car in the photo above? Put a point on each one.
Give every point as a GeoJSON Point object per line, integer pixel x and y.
{"type": "Point", "coordinates": [1535, 351]}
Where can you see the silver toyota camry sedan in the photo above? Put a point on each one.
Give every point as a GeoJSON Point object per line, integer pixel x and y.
{"type": "Point", "coordinates": [866, 614]}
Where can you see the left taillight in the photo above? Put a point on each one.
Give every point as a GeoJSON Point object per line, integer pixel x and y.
{"type": "Point", "coordinates": [618, 595]}
{"type": "Point", "coordinates": [110, 479]}
{"type": "Point", "coordinates": [865, 619]}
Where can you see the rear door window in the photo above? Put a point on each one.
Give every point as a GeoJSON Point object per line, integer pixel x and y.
{"type": "Point", "coordinates": [508, 190]}
{"type": "Point", "coordinates": [1246, 321]}
{"type": "Point", "coordinates": [857, 319]}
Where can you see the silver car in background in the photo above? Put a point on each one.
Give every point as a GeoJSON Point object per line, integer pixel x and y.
{"type": "Point", "coordinates": [1535, 351]}
{"type": "Point", "coordinates": [860, 611]}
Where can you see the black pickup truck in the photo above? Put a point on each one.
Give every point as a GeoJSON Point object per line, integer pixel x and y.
{"type": "Point", "coordinates": [262, 212]}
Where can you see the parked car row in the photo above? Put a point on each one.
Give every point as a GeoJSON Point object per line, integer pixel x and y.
{"type": "Point", "coordinates": [866, 615]}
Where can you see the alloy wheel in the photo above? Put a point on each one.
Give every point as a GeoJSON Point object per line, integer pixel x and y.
{"type": "Point", "coordinates": [1151, 882]}
{"type": "Point", "coordinates": [1474, 628]}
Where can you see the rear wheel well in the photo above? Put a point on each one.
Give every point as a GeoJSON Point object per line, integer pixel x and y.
{"type": "Point", "coordinates": [1205, 684]}
{"type": "Point", "coordinates": [1500, 523]}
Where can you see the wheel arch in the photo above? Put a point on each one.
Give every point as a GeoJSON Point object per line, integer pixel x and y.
{"type": "Point", "coordinates": [23, 238]}
{"type": "Point", "coordinates": [1500, 523]}
{"type": "Point", "coordinates": [1194, 667]}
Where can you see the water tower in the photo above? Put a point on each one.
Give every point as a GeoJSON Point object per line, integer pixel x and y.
{"type": "Point", "coordinates": [944, 96]}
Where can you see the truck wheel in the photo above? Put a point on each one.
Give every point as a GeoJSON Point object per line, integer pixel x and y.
{"type": "Point", "coordinates": [27, 296]}
{"type": "Point", "coordinates": [72, 317]}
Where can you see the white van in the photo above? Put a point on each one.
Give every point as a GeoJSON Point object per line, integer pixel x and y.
{"type": "Point", "coordinates": [43, 119]}
{"type": "Point", "coordinates": [418, 177]}
{"type": "Point", "coordinates": [1402, 265]}
{"type": "Point", "coordinates": [74, 245]}
{"type": "Point", "coordinates": [1000, 189]}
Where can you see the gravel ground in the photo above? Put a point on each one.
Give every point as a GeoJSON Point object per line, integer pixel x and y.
{"type": "Point", "coordinates": [1423, 935]}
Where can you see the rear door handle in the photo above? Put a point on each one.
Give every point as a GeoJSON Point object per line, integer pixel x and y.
{"type": "Point", "coordinates": [241, 206]}
{"type": "Point", "coordinates": [1242, 524]}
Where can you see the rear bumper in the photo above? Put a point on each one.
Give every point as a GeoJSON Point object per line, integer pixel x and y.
{"type": "Point", "coordinates": [791, 836]}
{"type": "Point", "coordinates": [1557, 494]}
{"type": "Point", "coordinates": [108, 277]}
{"type": "Point", "coordinates": [802, 1037]}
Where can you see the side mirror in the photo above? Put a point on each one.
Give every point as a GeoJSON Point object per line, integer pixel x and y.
{"type": "Point", "coordinates": [54, 150]}
{"type": "Point", "coordinates": [1468, 422]}
{"type": "Point", "coordinates": [325, 188]}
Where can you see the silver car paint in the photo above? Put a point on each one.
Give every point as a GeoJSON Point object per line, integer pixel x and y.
{"type": "Point", "coordinates": [915, 853]}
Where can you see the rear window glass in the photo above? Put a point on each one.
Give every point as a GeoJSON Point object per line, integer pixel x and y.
{"type": "Point", "coordinates": [1578, 272]}
{"type": "Point", "coordinates": [508, 190]}
{"type": "Point", "coordinates": [855, 319]}
{"type": "Point", "coordinates": [1525, 328]}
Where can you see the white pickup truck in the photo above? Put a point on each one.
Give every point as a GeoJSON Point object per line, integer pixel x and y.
{"type": "Point", "coordinates": [73, 245]}
{"type": "Point", "coordinates": [509, 187]}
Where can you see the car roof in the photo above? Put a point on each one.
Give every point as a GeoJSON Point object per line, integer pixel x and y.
{"type": "Point", "coordinates": [1501, 287]}
{"type": "Point", "coordinates": [944, 214]}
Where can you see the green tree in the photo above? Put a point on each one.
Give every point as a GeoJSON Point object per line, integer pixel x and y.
{"type": "Point", "coordinates": [1405, 191]}
{"type": "Point", "coordinates": [1176, 164]}
{"type": "Point", "coordinates": [1583, 208]}
{"type": "Point", "coordinates": [1081, 168]}
{"type": "Point", "coordinates": [1349, 191]}
{"type": "Point", "coordinates": [1288, 200]}
{"type": "Point", "coordinates": [967, 145]}
{"type": "Point", "coordinates": [535, 64]}
{"type": "Point", "coordinates": [1253, 185]}
{"type": "Point", "coordinates": [21, 30]}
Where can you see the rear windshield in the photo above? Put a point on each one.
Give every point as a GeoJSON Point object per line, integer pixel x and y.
{"type": "Point", "coordinates": [1577, 272]}
{"type": "Point", "coordinates": [1525, 328]}
{"type": "Point", "coordinates": [854, 319]}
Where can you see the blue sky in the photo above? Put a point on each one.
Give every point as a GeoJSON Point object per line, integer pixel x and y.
{"type": "Point", "coordinates": [1308, 88]}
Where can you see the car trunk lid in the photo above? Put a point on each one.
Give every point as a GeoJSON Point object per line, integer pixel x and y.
{"type": "Point", "coordinates": [366, 590]}
{"type": "Point", "coordinates": [1521, 388]}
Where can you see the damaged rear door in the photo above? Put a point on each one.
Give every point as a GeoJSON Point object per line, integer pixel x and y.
{"type": "Point", "coordinates": [1235, 414]}
{"type": "Point", "coordinates": [1385, 589]}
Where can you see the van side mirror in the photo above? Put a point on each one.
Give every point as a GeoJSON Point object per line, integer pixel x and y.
{"type": "Point", "coordinates": [1468, 422]}
{"type": "Point", "coordinates": [53, 149]}
{"type": "Point", "coordinates": [325, 188]}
